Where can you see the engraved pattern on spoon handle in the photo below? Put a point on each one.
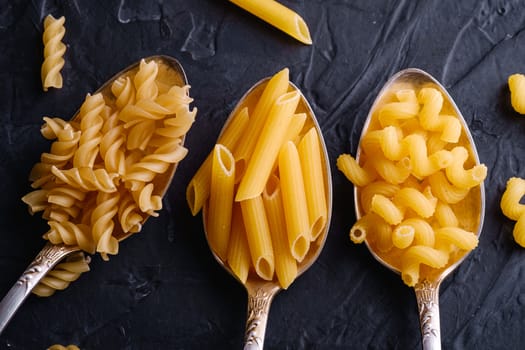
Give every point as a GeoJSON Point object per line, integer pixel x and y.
{"type": "Point", "coordinates": [43, 262]}
{"type": "Point", "coordinates": [259, 303]}
{"type": "Point", "coordinates": [427, 294]}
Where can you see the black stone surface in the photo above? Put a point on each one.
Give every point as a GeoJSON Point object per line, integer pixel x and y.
{"type": "Point", "coordinates": [164, 289]}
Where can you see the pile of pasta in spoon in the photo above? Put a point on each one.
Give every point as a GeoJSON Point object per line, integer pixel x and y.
{"type": "Point", "coordinates": [100, 180]}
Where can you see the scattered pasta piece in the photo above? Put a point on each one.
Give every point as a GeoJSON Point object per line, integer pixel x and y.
{"type": "Point", "coordinates": [278, 16]}
{"type": "Point", "coordinates": [62, 347]}
{"type": "Point", "coordinates": [415, 168]}
{"type": "Point", "coordinates": [513, 209]}
{"type": "Point", "coordinates": [517, 92]}
{"type": "Point", "coordinates": [54, 50]}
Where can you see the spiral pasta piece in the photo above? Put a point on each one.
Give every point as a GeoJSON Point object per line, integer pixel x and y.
{"type": "Point", "coordinates": [62, 347]}
{"type": "Point", "coordinates": [91, 124]}
{"type": "Point", "coordinates": [517, 92]}
{"type": "Point", "coordinates": [70, 234]}
{"type": "Point", "coordinates": [103, 224]}
{"type": "Point", "coordinates": [124, 92]}
{"type": "Point", "coordinates": [62, 274]}
{"type": "Point", "coordinates": [144, 80]}
{"type": "Point", "coordinates": [87, 178]}
{"type": "Point", "coordinates": [129, 215]}
{"type": "Point", "coordinates": [54, 50]}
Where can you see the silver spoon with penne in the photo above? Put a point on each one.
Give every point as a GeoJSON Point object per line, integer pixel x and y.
{"type": "Point", "coordinates": [266, 195]}
{"type": "Point", "coordinates": [150, 89]}
{"type": "Point", "coordinates": [419, 194]}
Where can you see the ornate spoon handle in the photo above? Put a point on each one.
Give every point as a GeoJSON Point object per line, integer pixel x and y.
{"type": "Point", "coordinates": [259, 301]}
{"type": "Point", "coordinates": [427, 294]}
{"type": "Point", "coordinates": [48, 257]}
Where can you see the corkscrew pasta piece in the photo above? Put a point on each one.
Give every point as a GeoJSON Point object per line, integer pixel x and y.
{"type": "Point", "coordinates": [70, 233]}
{"type": "Point", "coordinates": [62, 275]}
{"type": "Point", "coordinates": [54, 50]}
{"type": "Point", "coordinates": [517, 92]}
{"type": "Point", "coordinates": [413, 170]}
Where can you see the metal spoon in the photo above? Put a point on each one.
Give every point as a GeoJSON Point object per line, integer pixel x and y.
{"type": "Point", "coordinates": [51, 254]}
{"type": "Point", "coordinates": [427, 290]}
{"type": "Point", "coordinates": [261, 292]}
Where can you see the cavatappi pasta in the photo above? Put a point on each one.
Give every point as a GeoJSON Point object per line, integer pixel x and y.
{"type": "Point", "coordinates": [513, 209]}
{"type": "Point", "coordinates": [103, 174]}
{"type": "Point", "coordinates": [415, 169]}
{"type": "Point", "coordinates": [262, 212]}
{"type": "Point", "coordinates": [517, 92]}
{"type": "Point", "coordinates": [63, 347]}
{"type": "Point", "coordinates": [54, 50]}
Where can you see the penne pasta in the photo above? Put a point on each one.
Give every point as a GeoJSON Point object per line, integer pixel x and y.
{"type": "Point", "coordinates": [278, 16]}
{"type": "Point", "coordinates": [276, 87]}
{"type": "Point", "coordinates": [311, 166]}
{"type": "Point", "coordinates": [198, 189]}
{"type": "Point", "coordinates": [238, 250]}
{"type": "Point", "coordinates": [258, 237]}
{"type": "Point", "coordinates": [221, 200]}
{"type": "Point", "coordinates": [267, 148]}
{"type": "Point", "coordinates": [285, 264]}
{"type": "Point", "coordinates": [294, 201]}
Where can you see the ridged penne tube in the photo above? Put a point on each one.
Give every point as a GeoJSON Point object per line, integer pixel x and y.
{"type": "Point", "coordinates": [198, 189]}
{"type": "Point", "coordinates": [276, 87]}
{"type": "Point", "coordinates": [296, 125]}
{"type": "Point", "coordinates": [294, 201]}
{"type": "Point", "coordinates": [386, 209]}
{"type": "Point", "coordinates": [285, 264]}
{"type": "Point", "coordinates": [519, 231]}
{"type": "Point", "coordinates": [462, 239]}
{"type": "Point", "coordinates": [258, 237]}
{"type": "Point", "coordinates": [517, 92]}
{"type": "Point", "coordinates": [510, 200]}
{"type": "Point", "coordinates": [221, 200]}
{"type": "Point", "coordinates": [411, 198]}
{"type": "Point", "coordinates": [422, 164]}
{"type": "Point", "coordinates": [238, 250]}
{"type": "Point", "coordinates": [278, 16]}
{"type": "Point", "coordinates": [377, 187]}
{"type": "Point", "coordinates": [460, 177]}
{"type": "Point", "coordinates": [311, 165]}
{"type": "Point", "coordinates": [267, 148]}
{"type": "Point", "coordinates": [54, 50]}
{"type": "Point", "coordinates": [423, 232]}
{"type": "Point", "coordinates": [359, 176]}
{"type": "Point", "coordinates": [444, 190]}
{"type": "Point", "coordinates": [417, 255]}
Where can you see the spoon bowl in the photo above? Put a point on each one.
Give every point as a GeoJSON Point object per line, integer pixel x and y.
{"type": "Point", "coordinates": [261, 292]}
{"type": "Point", "coordinates": [172, 73]}
{"type": "Point", "coordinates": [473, 207]}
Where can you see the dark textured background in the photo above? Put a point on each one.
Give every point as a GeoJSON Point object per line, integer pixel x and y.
{"type": "Point", "coordinates": [164, 289]}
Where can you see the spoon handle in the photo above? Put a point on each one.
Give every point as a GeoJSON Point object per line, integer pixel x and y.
{"type": "Point", "coordinates": [259, 301]}
{"type": "Point", "coordinates": [48, 257]}
{"type": "Point", "coordinates": [427, 294]}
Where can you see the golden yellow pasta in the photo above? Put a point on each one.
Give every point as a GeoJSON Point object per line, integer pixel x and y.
{"type": "Point", "coordinates": [221, 200]}
{"type": "Point", "coordinates": [519, 231]}
{"type": "Point", "coordinates": [511, 198]}
{"type": "Point", "coordinates": [285, 264]}
{"type": "Point", "coordinates": [414, 171]}
{"type": "Point", "coordinates": [281, 188]}
{"type": "Point", "coordinates": [258, 237]}
{"type": "Point", "coordinates": [310, 158]}
{"type": "Point", "coordinates": [517, 92]}
{"type": "Point", "coordinates": [278, 16]}
{"type": "Point", "coordinates": [198, 189]}
{"type": "Point", "coordinates": [54, 50]}
{"type": "Point", "coordinates": [238, 250]}
{"type": "Point", "coordinates": [267, 147]}
{"type": "Point", "coordinates": [91, 187]}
